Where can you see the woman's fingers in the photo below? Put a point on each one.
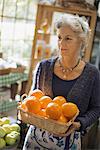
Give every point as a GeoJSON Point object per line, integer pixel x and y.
{"type": "Point", "coordinates": [76, 125]}
{"type": "Point", "coordinates": [70, 130]}
{"type": "Point", "coordinates": [73, 127]}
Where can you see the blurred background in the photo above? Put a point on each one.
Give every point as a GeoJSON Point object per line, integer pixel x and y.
{"type": "Point", "coordinates": [27, 35]}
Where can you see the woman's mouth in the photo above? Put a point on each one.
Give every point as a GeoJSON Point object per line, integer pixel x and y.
{"type": "Point", "coordinates": [62, 49]}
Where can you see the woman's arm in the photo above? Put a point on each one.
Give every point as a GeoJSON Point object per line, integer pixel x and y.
{"type": "Point", "coordinates": [36, 74]}
{"type": "Point", "coordinates": [93, 112]}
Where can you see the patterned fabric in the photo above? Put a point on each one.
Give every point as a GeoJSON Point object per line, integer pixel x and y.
{"type": "Point", "coordinates": [75, 141]}
{"type": "Point", "coordinates": [38, 139]}
{"type": "Point", "coordinates": [12, 78]}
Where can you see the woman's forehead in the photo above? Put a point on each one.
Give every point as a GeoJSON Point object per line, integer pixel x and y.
{"type": "Point", "coordinates": [66, 30]}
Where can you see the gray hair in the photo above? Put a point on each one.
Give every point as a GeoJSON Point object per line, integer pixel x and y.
{"type": "Point", "coordinates": [78, 25]}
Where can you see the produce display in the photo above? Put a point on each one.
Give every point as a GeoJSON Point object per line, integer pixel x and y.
{"type": "Point", "coordinates": [9, 133]}
{"type": "Point", "coordinates": [58, 110]}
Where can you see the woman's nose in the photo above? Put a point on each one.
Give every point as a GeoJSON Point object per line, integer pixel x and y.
{"type": "Point", "coordinates": [62, 42]}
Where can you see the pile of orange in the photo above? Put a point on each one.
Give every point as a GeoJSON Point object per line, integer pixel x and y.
{"type": "Point", "coordinates": [58, 108]}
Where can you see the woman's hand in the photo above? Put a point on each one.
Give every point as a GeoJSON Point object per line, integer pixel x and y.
{"type": "Point", "coordinates": [72, 128]}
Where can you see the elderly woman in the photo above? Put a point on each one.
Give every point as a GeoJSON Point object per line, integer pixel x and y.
{"type": "Point", "coordinates": [71, 77]}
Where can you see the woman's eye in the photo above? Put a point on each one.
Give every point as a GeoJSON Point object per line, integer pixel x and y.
{"type": "Point", "coordinates": [68, 38]}
{"type": "Point", "coordinates": [59, 37]}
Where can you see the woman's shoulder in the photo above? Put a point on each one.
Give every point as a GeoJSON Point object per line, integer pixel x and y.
{"type": "Point", "coordinates": [48, 61]}
{"type": "Point", "coordinates": [92, 69]}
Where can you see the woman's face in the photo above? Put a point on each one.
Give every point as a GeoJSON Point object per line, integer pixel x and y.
{"type": "Point", "coordinates": [68, 42]}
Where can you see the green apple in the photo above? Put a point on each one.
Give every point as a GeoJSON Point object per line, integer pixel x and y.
{"type": "Point", "coordinates": [7, 128]}
{"type": "Point", "coordinates": [10, 139]}
{"type": "Point", "coordinates": [2, 132]}
{"type": "Point", "coordinates": [2, 143]}
{"type": "Point", "coordinates": [6, 120]}
{"type": "Point", "coordinates": [15, 127]}
{"type": "Point", "coordinates": [1, 122]}
{"type": "Point", "coordinates": [15, 134]}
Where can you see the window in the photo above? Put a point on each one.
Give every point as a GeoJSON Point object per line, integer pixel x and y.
{"type": "Point", "coordinates": [17, 24]}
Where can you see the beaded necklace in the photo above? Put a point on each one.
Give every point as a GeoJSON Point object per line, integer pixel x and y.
{"type": "Point", "coordinates": [67, 70]}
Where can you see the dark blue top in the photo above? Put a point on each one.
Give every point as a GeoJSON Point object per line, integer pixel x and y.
{"type": "Point", "coordinates": [61, 87]}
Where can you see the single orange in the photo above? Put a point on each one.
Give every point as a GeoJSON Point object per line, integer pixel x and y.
{"type": "Point", "coordinates": [53, 111]}
{"type": "Point", "coordinates": [63, 119]}
{"type": "Point", "coordinates": [59, 100]}
{"type": "Point", "coordinates": [69, 110]}
{"type": "Point", "coordinates": [45, 100]}
{"type": "Point", "coordinates": [37, 93]}
{"type": "Point", "coordinates": [42, 113]}
{"type": "Point", "coordinates": [33, 105]}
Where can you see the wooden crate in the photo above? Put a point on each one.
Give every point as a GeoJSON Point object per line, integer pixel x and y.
{"type": "Point", "coordinates": [17, 70]}
{"type": "Point", "coordinates": [12, 70]}
{"type": "Point", "coordinates": [4, 71]}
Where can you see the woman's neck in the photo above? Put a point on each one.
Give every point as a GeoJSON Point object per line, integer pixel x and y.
{"type": "Point", "coordinates": [68, 62]}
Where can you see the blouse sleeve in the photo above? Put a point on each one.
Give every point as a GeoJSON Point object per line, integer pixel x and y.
{"type": "Point", "coordinates": [93, 112]}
